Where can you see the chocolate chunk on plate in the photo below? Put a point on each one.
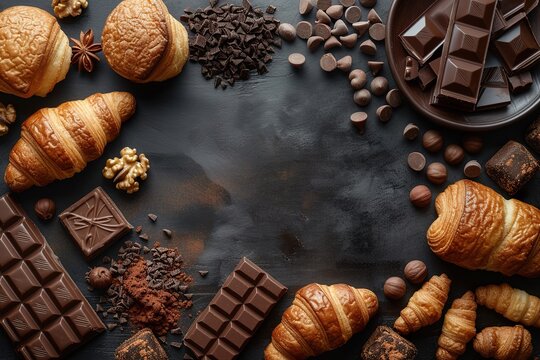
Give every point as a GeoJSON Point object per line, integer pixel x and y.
{"type": "Point", "coordinates": [385, 344]}
{"type": "Point", "coordinates": [142, 345]}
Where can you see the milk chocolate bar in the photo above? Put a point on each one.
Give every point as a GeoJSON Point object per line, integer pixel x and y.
{"type": "Point", "coordinates": [41, 309]}
{"type": "Point", "coordinates": [518, 47]}
{"type": "Point", "coordinates": [464, 54]}
{"type": "Point", "coordinates": [426, 35]}
{"type": "Point", "coordinates": [233, 316]}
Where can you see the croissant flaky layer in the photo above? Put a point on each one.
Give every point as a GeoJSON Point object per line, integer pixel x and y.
{"type": "Point", "coordinates": [34, 52]}
{"type": "Point", "coordinates": [321, 318]}
{"type": "Point", "coordinates": [479, 229]}
{"type": "Point", "coordinates": [504, 343]}
{"type": "Point", "coordinates": [57, 143]}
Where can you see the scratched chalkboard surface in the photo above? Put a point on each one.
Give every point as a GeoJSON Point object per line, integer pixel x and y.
{"type": "Point", "coordinates": [269, 169]}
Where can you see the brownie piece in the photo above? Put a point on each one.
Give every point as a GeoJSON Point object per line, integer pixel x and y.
{"type": "Point", "coordinates": [533, 136]}
{"type": "Point", "coordinates": [512, 167]}
{"type": "Point", "coordinates": [141, 346]}
{"type": "Point", "coordinates": [386, 344]}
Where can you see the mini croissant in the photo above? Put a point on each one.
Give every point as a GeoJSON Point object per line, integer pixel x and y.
{"type": "Point", "coordinates": [458, 328]}
{"type": "Point", "coordinates": [504, 343]}
{"type": "Point", "coordinates": [34, 52]}
{"type": "Point", "coordinates": [321, 318]}
{"type": "Point", "coordinates": [425, 306]}
{"type": "Point", "coordinates": [57, 143]}
{"type": "Point", "coordinates": [513, 304]}
{"type": "Point", "coordinates": [143, 42]}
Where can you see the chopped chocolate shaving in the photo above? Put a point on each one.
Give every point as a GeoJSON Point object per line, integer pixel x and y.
{"type": "Point", "coordinates": [152, 217]}
{"type": "Point", "coordinates": [167, 232]}
{"type": "Point", "coordinates": [203, 273]}
{"type": "Point", "coordinates": [138, 229]}
{"type": "Point", "coordinates": [144, 237]}
{"type": "Point", "coordinates": [176, 345]}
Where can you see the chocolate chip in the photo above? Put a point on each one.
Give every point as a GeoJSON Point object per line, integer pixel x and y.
{"type": "Point", "coordinates": [271, 9]}
{"type": "Point", "coordinates": [361, 27]}
{"type": "Point", "coordinates": [176, 345]}
{"type": "Point", "coordinates": [416, 161]}
{"type": "Point", "coordinates": [353, 14]}
{"type": "Point", "coordinates": [314, 42]}
{"type": "Point", "coordinates": [340, 28]}
{"type": "Point", "coordinates": [304, 30]}
{"type": "Point", "coordinates": [373, 17]}
{"type": "Point", "coordinates": [358, 79]}
{"type": "Point", "coordinates": [368, 3]}
{"type": "Point", "coordinates": [287, 32]}
{"type": "Point", "coordinates": [305, 7]}
{"type": "Point", "coordinates": [297, 60]}
{"type": "Point", "coordinates": [375, 66]}
{"type": "Point", "coordinates": [472, 169]}
{"type": "Point", "coordinates": [379, 86]}
{"type": "Point", "coordinates": [323, 18]}
{"type": "Point", "coordinates": [335, 11]}
{"type": "Point", "coordinates": [345, 63]}
{"type": "Point", "coordinates": [322, 30]}
{"type": "Point", "coordinates": [347, 3]}
{"type": "Point", "coordinates": [377, 32]}
{"type": "Point", "coordinates": [362, 97]}
{"type": "Point", "coordinates": [359, 120]}
{"type": "Point", "coordinates": [138, 229]}
{"type": "Point", "coordinates": [324, 4]}
{"type": "Point", "coordinates": [328, 62]}
{"type": "Point", "coordinates": [393, 98]}
{"type": "Point", "coordinates": [411, 131]}
{"type": "Point", "coordinates": [349, 41]}
{"type": "Point", "coordinates": [331, 43]}
{"type": "Point", "coordinates": [384, 113]}
{"type": "Point", "coordinates": [368, 47]}
{"type": "Point", "coordinates": [203, 273]}
{"type": "Point", "coordinates": [167, 232]}
{"type": "Point", "coordinates": [152, 217]}
{"type": "Point", "coordinates": [144, 237]}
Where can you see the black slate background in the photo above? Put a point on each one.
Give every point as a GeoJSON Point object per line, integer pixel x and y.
{"type": "Point", "coordinates": [271, 170]}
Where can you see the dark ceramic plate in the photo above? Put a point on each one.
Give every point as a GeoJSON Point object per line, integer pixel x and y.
{"type": "Point", "coordinates": [401, 14]}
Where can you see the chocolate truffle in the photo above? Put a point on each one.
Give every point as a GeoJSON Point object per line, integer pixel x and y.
{"type": "Point", "coordinates": [512, 167]}
{"type": "Point", "coordinates": [385, 344]}
{"type": "Point", "coordinates": [141, 346]}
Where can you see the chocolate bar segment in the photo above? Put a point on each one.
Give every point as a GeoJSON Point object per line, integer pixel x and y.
{"type": "Point", "coordinates": [464, 54]}
{"type": "Point", "coordinates": [495, 93]}
{"type": "Point", "coordinates": [426, 35]}
{"type": "Point", "coordinates": [509, 8]}
{"type": "Point", "coordinates": [95, 222]}
{"type": "Point", "coordinates": [246, 298]}
{"type": "Point", "coordinates": [41, 309]}
{"type": "Point", "coordinates": [518, 47]}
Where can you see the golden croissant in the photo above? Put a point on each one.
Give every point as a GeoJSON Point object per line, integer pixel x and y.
{"type": "Point", "coordinates": [425, 306]}
{"type": "Point", "coordinates": [513, 304]}
{"type": "Point", "coordinates": [504, 343]}
{"type": "Point", "coordinates": [57, 143]}
{"type": "Point", "coordinates": [478, 229]}
{"type": "Point", "coordinates": [458, 328]}
{"type": "Point", "coordinates": [321, 318]}
{"type": "Point", "coordinates": [34, 52]}
{"type": "Point", "coordinates": [143, 42]}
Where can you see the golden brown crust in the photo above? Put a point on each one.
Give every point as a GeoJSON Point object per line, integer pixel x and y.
{"type": "Point", "coordinates": [57, 143]}
{"type": "Point", "coordinates": [478, 229]}
{"type": "Point", "coordinates": [425, 306]}
{"type": "Point", "coordinates": [143, 42]}
{"type": "Point", "coordinates": [34, 50]}
{"type": "Point", "coordinates": [504, 343]}
{"type": "Point", "coordinates": [321, 318]}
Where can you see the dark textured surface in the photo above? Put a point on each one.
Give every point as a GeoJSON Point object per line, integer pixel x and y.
{"type": "Point", "coordinates": [270, 169]}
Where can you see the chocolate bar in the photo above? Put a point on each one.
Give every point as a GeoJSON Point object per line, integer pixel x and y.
{"type": "Point", "coordinates": [501, 25]}
{"type": "Point", "coordinates": [41, 309]}
{"type": "Point", "coordinates": [464, 54]}
{"type": "Point", "coordinates": [518, 47]}
{"type": "Point", "coordinates": [94, 222]}
{"type": "Point", "coordinates": [427, 33]}
{"type": "Point", "coordinates": [520, 82]}
{"type": "Point", "coordinates": [509, 8]}
{"type": "Point", "coordinates": [495, 92]}
{"type": "Point", "coordinates": [238, 309]}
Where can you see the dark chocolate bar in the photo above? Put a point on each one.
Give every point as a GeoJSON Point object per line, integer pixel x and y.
{"type": "Point", "coordinates": [520, 82]}
{"type": "Point", "coordinates": [427, 33]}
{"type": "Point", "coordinates": [41, 309]}
{"type": "Point", "coordinates": [464, 54]}
{"type": "Point", "coordinates": [233, 316]}
{"type": "Point", "coordinates": [509, 8]}
{"type": "Point", "coordinates": [495, 92]}
{"type": "Point", "coordinates": [95, 222]}
{"type": "Point", "coordinates": [518, 47]}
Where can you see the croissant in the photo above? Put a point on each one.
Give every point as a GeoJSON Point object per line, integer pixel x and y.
{"type": "Point", "coordinates": [425, 306]}
{"type": "Point", "coordinates": [34, 52]}
{"type": "Point", "coordinates": [57, 143]}
{"type": "Point", "coordinates": [458, 328]}
{"type": "Point", "coordinates": [478, 229]}
{"type": "Point", "coordinates": [143, 42]}
{"type": "Point", "coordinates": [513, 304]}
{"type": "Point", "coordinates": [504, 343]}
{"type": "Point", "coordinates": [321, 318]}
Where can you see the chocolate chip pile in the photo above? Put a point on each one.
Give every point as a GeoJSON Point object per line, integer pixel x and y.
{"type": "Point", "coordinates": [149, 289]}
{"type": "Point", "coordinates": [232, 41]}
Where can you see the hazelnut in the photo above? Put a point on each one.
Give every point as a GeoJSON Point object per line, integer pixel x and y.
{"type": "Point", "coordinates": [45, 209]}
{"type": "Point", "coordinates": [379, 86]}
{"type": "Point", "coordinates": [394, 288]}
{"type": "Point", "coordinates": [358, 79]}
{"type": "Point", "coordinates": [437, 173]}
{"type": "Point", "coordinates": [420, 196]}
{"type": "Point", "coordinates": [432, 141]}
{"type": "Point", "coordinates": [362, 97]}
{"type": "Point", "coordinates": [99, 278]}
{"type": "Point", "coordinates": [415, 271]}
{"type": "Point", "coordinates": [473, 144]}
{"type": "Point", "coordinates": [454, 154]}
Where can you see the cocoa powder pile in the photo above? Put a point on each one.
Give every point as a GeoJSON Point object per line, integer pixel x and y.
{"type": "Point", "coordinates": [149, 289]}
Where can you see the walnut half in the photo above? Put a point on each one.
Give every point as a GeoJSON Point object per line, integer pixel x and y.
{"type": "Point", "coordinates": [125, 170]}
{"type": "Point", "coordinates": [7, 117]}
{"type": "Point", "coordinates": [65, 8]}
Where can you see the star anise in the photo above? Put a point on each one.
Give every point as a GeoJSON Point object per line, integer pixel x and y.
{"type": "Point", "coordinates": [84, 51]}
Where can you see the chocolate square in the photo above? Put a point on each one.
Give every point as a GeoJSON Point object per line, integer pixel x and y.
{"type": "Point", "coordinates": [141, 346]}
{"type": "Point", "coordinates": [94, 222]}
{"type": "Point", "coordinates": [512, 167]}
{"type": "Point", "coordinates": [386, 344]}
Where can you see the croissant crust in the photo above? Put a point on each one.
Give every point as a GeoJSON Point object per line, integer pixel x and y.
{"type": "Point", "coordinates": [504, 343]}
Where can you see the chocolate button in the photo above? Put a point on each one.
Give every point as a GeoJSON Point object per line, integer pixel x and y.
{"type": "Point", "coordinates": [472, 169]}
{"type": "Point", "coordinates": [359, 120]}
{"type": "Point", "coordinates": [377, 32]}
{"type": "Point", "coordinates": [328, 62]}
{"type": "Point", "coordinates": [297, 60]}
{"type": "Point", "coordinates": [323, 31]}
{"type": "Point", "coordinates": [393, 98]}
{"type": "Point", "coordinates": [353, 14]}
{"type": "Point", "coordinates": [347, 3]}
{"type": "Point", "coordinates": [411, 131]}
{"type": "Point", "coordinates": [304, 30]}
{"type": "Point", "coordinates": [384, 113]}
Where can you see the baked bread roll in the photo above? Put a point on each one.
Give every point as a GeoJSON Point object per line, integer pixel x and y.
{"type": "Point", "coordinates": [321, 318]}
{"type": "Point", "coordinates": [34, 52]}
{"type": "Point", "coordinates": [504, 343]}
{"type": "Point", "coordinates": [143, 42]}
{"type": "Point", "coordinates": [478, 229]}
{"type": "Point", "coordinates": [57, 143]}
